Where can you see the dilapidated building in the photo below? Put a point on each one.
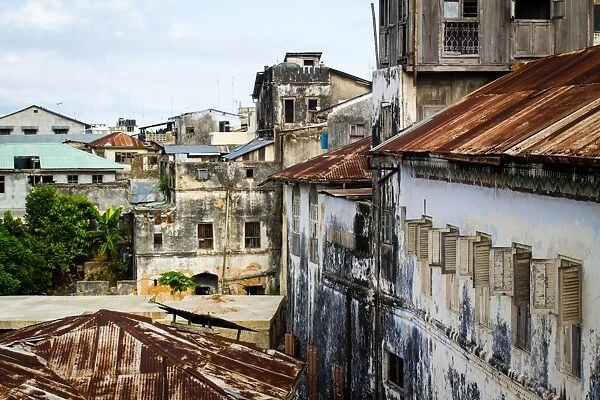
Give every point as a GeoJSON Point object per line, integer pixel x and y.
{"type": "Point", "coordinates": [220, 226]}
{"type": "Point", "coordinates": [487, 239]}
{"type": "Point", "coordinates": [329, 265]}
{"type": "Point", "coordinates": [433, 53]}
{"type": "Point", "coordinates": [289, 94]}
{"type": "Point", "coordinates": [194, 128]}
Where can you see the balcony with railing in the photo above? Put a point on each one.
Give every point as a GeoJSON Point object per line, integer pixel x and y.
{"type": "Point", "coordinates": [461, 38]}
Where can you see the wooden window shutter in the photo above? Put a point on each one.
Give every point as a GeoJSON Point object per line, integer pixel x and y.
{"type": "Point", "coordinates": [501, 274]}
{"type": "Point", "coordinates": [338, 382]}
{"type": "Point", "coordinates": [522, 274]}
{"type": "Point", "coordinates": [435, 247]}
{"type": "Point", "coordinates": [449, 255]}
{"type": "Point", "coordinates": [312, 371]}
{"type": "Point", "coordinates": [464, 249]}
{"type": "Point", "coordinates": [543, 286]}
{"type": "Point", "coordinates": [481, 264]}
{"type": "Point", "coordinates": [569, 283]}
{"type": "Point", "coordinates": [411, 240]}
{"type": "Point", "coordinates": [423, 247]}
{"type": "Point", "coordinates": [290, 344]}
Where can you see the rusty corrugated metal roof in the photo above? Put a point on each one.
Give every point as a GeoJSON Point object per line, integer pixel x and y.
{"type": "Point", "coordinates": [546, 110]}
{"type": "Point", "coordinates": [109, 355]}
{"type": "Point", "coordinates": [118, 139]}
{"type": "Point", "coordinates": [344, 165]}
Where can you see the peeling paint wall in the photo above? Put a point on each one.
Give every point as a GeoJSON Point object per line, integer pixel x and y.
{"type": "Point", "coordinates": [195, 127]}
{"type": "Point", "coordinates": [356, 114]}
{"type": "Point", "coordinates": [328, 300]}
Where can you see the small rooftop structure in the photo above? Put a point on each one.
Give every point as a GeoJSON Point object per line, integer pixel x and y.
{"type": "Point", "coordinates": [249, 147]}
{"type": "Point", "coordinates": [345, 165]}
{"type": "Point", "coordinates": [118, 139]}
{"type": "Point", "coordinates": [55, 156]}
{"type": "Point", "coordinates": [546, 111]}
{"type": "Point", "coordinates": [48, 111]}
{"type": "Point", "coordinates": [110, 354]}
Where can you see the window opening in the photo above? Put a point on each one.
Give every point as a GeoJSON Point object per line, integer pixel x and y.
{"type": "Point", "coordinates": [395, 369]}
{"type": "Point", "coordinates": [249, 173]}
{"type": "Point", "coordinates": [288, 111]}
{"type": "Point", "coordinates": [205, 236]}
{"type": "Point", "coordinates": [532, 9]}
{"type": "Point", "coordinates": [72, 178]}
{"type": "Point", "coordinates": [252, 235]}
{"type": "Point", "coordinates": [97, 178]}
{"type": "Point", "coordinates": [158, 238]}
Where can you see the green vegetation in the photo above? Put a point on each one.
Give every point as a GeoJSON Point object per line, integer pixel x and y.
{"type": "Point", "coordinates": [163, 186]}
{"type": "Point", "coordinates": [177, 281]}
{"type": "Point", "coordinates": [43, 252]}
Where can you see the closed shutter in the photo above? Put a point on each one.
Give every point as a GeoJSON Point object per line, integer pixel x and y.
{"type": "Point", "coordinates": [481, 264]}
{"type": "Point", "coordinates": [312, 372]}
{"type": "Point", "coordinates": [425, 278]}
{"type": "Point", "coordinates": [465, 256]}
{"type": "Point", "coordinates": [501, 277]}
{"type": "Point", "coordinates": [449, 255]}
{"type": "Point", "coordinates": [543, 286]}
{"type": "Point", "coordinates": [569, 282]}
{"type": "Point", "coordinates": [411, 240]}
{"type": "Point", "coordinates": [435, 243]}
{"type": "Point", "coordinates": [290, 344]}
{"type": "Point", "coordinates": [424, 240]}
{"type": "Point", "coordinates": [522, 266]}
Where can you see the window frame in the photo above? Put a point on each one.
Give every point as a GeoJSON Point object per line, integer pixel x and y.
{"type": "Point", "coordinates": [252, 235]}
{"type": "Point", "coordinates": [395, 371]}
{"type": "Point", "coordinates": [285, 101]}
{"type": "Point", "coordinates": [203, 174]}
{"type": "Point", "coordinates": [159, 242]}
{"type": "Point", "coordinates": [73, 179]}
{"type": "Point", "coordinates": [206, 240]}
{"type": "Point", "coordinates": [97, 178]}
{"type": "Point", "coordinates": [249, 173]}
{"type": "Point", "coordinates": [124, 157]}
{"type": "Point", "coordinates": [2, 184]}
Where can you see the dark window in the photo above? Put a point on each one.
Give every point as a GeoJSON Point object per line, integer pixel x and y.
{"type": "Point", "coordinates": [2, 184]}
{"type": "Point", "coordinates": [61, 131]}
{"type": "Point", "coordinates": [124, 158]}
{"type": "Point", "coordinates": [576, 350]}
{"type": "Point", "coordinates": [388, 225]}
{"type": "Point", "coordinates": [523, 339]}
{"type": "Point", "coordinates": [203, 174]}
{"type": "Point", "coordinates": [189, 129]}
{"type": "Point", "coordinates": [155, 282]}
{"type": "Point", "coordinates": [255, 290]}
{"type": "Point", "coordinates": [470, 8]}
{"type": "Point", "coordinates": [205, 236]}
{"type": "Point", "coordinates": [224, 126]}
{"type": "Point", "coordinates": [47, 179]}
{"type": "Point", "coordinates": [130, 128]}
{"type": "Point", "coordinates": [532, 9]}
{"type": "Point", "coordinates": [34, 179]}
{"type": "Point", "coordinates": [72, 178]}
{"type": "Point", "coordinates": [152, 160]}
{"type": "Point", "coordinates": [395, 370]}
{"type": "Point", "coordinates": [252, 235]}
{"type": "Point", "coordinates": [246, 157]}
{"type": "Point", "coordinates": [22, 162]}
{"type": "Point", "coordinates": [29, 131]}
{"type": "Point", "coordinates": [596, 17]}
{"type": "Point", "coordinates": [288, 111]}
{"type": "Point", "coordinates": [261, 154]}
{"type": "Point", "coordinates": [309, 63]}
{"type": "Point", "coordinates": [35, 111]}
{"type": "Point", "coordinates": [249, 173]}
{"type": "Point", "coordinates": [158, 238]}
{"type": "Point", "coordinates": [313, 104]}
{"type": "Point", "coordinates": [5, 131]}
{"type": "Point", "coordinates": [384, 12]}
{"type": "Point", "coordinates": [97, 178]}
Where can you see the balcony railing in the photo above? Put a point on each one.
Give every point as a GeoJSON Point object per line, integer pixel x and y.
{"type": "Point", "coordinates": [461, 37]}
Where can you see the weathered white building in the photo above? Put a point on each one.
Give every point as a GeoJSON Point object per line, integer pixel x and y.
{"type": "Point", "coordinates": [36, 120]}
{"type": "Point", "coordinates": [125, 150]}
{"type": "Point", "coordinates": [24, 165]}
{"type": "Point", "coordinates": [194, 128]}
{"type": "Point", "coordinates": [488, 239]}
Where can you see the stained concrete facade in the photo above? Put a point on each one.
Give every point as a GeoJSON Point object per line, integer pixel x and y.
{"type": "Point", "coordinates": [348, 121]}
{"type": "Point", "coordinates": [36, 120]}
{"type": "Point", "coordinates": [195, 127]}
{"type": "Point", "coordinates": [220, 227]}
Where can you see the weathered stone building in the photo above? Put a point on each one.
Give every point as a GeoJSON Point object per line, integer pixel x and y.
{"type": "Point", "coordinates": [219, 226]}
{"type": "Point", "coordinates": [289, 94]}
{"type": "Point", "coordinates": [194, 128]}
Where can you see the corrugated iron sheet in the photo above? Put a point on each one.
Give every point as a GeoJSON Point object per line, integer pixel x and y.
{"type": "Point", "coordinates": [118, 139]}
{"type": "Point", "coordinates": [546, 110]}
{"type": "Point", "coordinates": [347, 164]}
{"type": "Point", "coordinates": [112, 355]}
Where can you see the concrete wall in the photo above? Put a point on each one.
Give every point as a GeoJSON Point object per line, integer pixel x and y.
{"type": "Point", "coordinates": [103, 195]}
{"type": "Point", "coordinates": [17, 187]}
{"type": "Point", "coordinates": [43, 120]}
{"type": "Point", "coordinates": [327, 301]}
{"type": "Point", "coordinates": [357, 113]}
{"type": "Point", "coordinates": [203, 122]}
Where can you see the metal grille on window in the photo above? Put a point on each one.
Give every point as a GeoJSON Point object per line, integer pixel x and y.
{"type": "Point", "coordinates": [252, 232]}
{"type": "Point", "coordinates": [461, 37]}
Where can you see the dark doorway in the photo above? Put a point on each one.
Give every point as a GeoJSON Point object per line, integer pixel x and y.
{"type": "Point", "coordinates": [206, 283]}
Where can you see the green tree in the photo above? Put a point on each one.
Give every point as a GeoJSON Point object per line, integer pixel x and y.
{"type": "Point", "coordinates": [22, 270]}
{"type": "Point", "coordinates": [107, 235]}
{"type": "Point", "coordinates": [59, 224]}
{"type": "Point", "coordinates": [177, 281]}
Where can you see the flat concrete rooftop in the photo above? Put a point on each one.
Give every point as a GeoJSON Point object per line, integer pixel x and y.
{"type": "Point", "coordinates": [255, 312]}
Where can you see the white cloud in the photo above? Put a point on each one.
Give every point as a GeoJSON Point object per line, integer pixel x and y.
{"type": "Point", "coordinates": [45, 15]}
{"type": "Point", "coordinates": [179, 31]}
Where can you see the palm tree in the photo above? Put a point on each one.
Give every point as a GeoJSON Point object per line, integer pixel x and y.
{"type": "Point", "coordinates": [107, 235]}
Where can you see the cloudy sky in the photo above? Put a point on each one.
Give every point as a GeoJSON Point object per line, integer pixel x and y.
{"type": "Point", "coordinates": [97, 60]}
